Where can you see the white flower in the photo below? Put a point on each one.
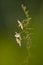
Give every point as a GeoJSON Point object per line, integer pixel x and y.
{"type": "Point", "coordinates": [20, 24]}
{"type": "Point", "coordinates": [18, 38]}
{"type": "Point", "coordinates": [18, 41]}
{"type": "Point", "coordinates": [17, 35]}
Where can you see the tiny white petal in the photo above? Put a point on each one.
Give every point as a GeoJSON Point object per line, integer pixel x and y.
{"type": "Point", "coordinates": [20, 44]}
{"type": "Point", "coordinates": [18, 41]}
{"type": "Point", "coordinates": [20, 24]}
{"type": "Point", "coordinates": [17, 34]}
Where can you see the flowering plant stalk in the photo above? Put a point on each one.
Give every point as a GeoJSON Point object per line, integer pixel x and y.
{"type": "Point", "coordinates": [24, 34]}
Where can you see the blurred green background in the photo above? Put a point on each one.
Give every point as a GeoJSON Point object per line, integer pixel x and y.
{"type": "Point", "coordinates": [10, 52]}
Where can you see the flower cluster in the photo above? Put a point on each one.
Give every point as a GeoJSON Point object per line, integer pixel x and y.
{"type": "Point", "coordinates": [17, 35]}
{"type": "Point", "coordinates": [24, 28]}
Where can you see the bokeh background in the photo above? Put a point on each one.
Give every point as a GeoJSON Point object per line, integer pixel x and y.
{"type": "Point", "coordinates": [10, 52]}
